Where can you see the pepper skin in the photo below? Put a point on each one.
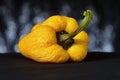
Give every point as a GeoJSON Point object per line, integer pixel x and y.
{"type": "Point", "coordinates": [48, 41]}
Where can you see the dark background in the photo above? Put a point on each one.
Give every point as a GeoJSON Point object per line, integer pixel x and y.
{"type": "Point", "coordinates": [18, 16]}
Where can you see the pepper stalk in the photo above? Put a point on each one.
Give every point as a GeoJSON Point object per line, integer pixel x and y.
{"type": "Point", "coordinates": [66, 40]}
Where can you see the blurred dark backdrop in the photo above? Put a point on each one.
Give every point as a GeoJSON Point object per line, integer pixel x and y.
{"type": "Point", "coordinates": [18, 16]}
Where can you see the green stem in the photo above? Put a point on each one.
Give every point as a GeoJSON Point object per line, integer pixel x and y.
{"type": "Point", "coordinates": [66, 39]}
{"type": "Point", "coordinates": [88, 16]}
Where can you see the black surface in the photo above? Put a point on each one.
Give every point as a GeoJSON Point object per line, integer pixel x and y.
{"type": "Point", "coordinates": [96, 66]}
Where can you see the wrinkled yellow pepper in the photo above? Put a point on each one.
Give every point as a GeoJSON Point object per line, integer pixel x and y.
{"type": "Point", "coordinates": [57, 40]}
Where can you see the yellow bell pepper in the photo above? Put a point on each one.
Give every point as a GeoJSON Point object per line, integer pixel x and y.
{"type": "Point", "coordinates": [57, 40]}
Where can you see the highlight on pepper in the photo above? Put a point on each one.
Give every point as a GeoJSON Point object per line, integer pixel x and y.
{"type": "Point", "coordinates": [58, 39]}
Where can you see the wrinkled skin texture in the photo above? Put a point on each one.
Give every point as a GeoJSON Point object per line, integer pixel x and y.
{"type": "Point", "coordinates": [41, 43]}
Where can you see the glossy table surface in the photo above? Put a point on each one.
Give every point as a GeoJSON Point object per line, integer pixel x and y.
{"type": "Point", "coordinates": [96, 66]}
